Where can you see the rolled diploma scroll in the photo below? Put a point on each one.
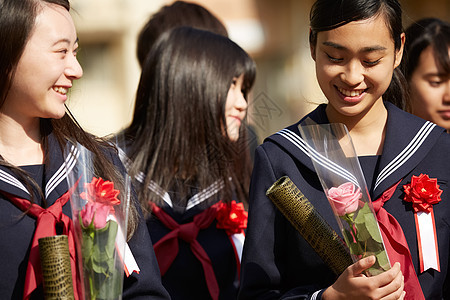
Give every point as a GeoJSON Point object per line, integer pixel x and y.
{"type": "Point", "coordinates": [56, 269]}
{"type": "Point", "coordinates": [310, 224]}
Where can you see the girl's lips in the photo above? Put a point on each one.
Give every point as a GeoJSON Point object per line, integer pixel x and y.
{"type": "Point", "coordinates": [236, 119]}
{"type": "Point", "coordinates": [445, 114]}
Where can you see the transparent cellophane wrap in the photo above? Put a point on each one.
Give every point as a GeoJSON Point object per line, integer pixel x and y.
{"type": "Point", "coordinates": [340, 174]}
{"type": "Point", "coordinates": [100, 223]}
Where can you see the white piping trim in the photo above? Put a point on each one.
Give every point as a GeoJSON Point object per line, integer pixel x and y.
{"type": "Point", "coordinates": [205, 194]}
{"type": "Point", "coordinates": [316, 156]}
{"type": "Point", "coordinates": [64, 169]}
{"type": "Point", "coordinates": [406, 153]}
{"type": "Point", "coordinates": [8, 178]}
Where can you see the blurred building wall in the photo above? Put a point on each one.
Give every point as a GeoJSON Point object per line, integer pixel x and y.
{"type": "Point", "coordinates": [274, 32]}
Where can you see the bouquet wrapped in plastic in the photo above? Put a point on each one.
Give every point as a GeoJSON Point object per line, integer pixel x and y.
{"type": "Point", "coordinates": [99, 213]}
{"type": "Point", "coordinates": [337, 166]}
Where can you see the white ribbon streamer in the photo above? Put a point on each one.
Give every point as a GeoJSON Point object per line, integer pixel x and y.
{"type": "Point", "coordinates": [427, 241]}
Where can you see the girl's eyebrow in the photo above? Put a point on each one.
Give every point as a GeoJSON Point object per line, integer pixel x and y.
{"type": "Point", "coordinates": [67, 41]}
{"type": "Point", "coordinates": [365, 49]}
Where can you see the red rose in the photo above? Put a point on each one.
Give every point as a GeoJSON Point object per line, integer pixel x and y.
{"type": "Point", "coordinates": [232, 217]}
{"type": "Point", "coordinates": [423, 192]}
{"type": "Point", "coordinates": [101, 197]}
{"type": "Point", "coordinates": [99, 190]}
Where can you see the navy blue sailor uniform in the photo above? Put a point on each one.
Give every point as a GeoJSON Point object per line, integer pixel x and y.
{"type": "Point", "coordinates": [279, 264]}
{"type": "Point", "coordinates": [17, 230]}
{"type": "Point", "coordinates": [186, 275]}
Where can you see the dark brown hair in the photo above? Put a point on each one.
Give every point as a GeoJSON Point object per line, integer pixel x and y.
{"type": "Point", "coordinates": [330, 14]}
{"type": "Point", "coordinates": [179, 13]}
{"type": "Point", "coordinates": [17, 20]}
{"type": "Point", "coordinates": [178, 130]}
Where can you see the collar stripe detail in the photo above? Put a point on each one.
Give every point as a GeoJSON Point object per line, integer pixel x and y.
{"type": "Point", "coordinates": [316, 156]}
{"type": "Point", "coordinates": [198, 198]}
{"type": "Point", "coordinates": [63, 170]}
{"type": "Point", "coordinates": [205, 194]}
{"type": "Point", "coordinates": [406, 153]}
{"type": "Point", "coordinates": [8, 178]}
{"type": "Point", "coordinates": [154, 187]}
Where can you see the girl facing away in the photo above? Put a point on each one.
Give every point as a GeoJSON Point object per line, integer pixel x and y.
{"type": "Point", "coordinates": [188, 151]}
{"type": "Point", "coordinates": [357, 46]}
{"type": "Point", "coordinates": [426, 65]}
{"type": "Point", "coordinates": [38, 66]}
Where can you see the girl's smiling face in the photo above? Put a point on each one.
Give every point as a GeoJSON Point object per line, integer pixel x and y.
{"type": "Point", "coordinates": [354, 65]}
{"type": "Point", "coordinates": [47, 68]}
{"type": "Point", "coordinates": [430, 90]}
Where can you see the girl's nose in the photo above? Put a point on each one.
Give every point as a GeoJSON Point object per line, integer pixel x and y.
{"type": "Point", "coordinates": [73, 69]}
{"type": "Point", "coordinates": [353, 73]}
{"type": "Point", "coordinates": [241, 103]}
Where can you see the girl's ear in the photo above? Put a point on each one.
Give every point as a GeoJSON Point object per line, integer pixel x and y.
{"type": "Point", "coordinates": [313, 51]}
{"type": "Point", "coordinates": [312, 48]}
{"type": "Point", "coordinates": [399, 53]}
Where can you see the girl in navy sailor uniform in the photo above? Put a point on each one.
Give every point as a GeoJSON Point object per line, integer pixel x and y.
{"type": "Point", "coordinates": [187, 150]}
{"type": "Point", "coordinates": [357, 46]}
{"type": "Point", "coordinates": [38, 65]}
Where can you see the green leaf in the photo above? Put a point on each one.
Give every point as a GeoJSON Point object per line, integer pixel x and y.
{"type": "Point", "coordinates": [372, 227]}
{"type": "Point", "coordinates": [362, 233]}
{"type": "Point", "coordinates": [383, 260]}
{"type": "Point", "coordinates": [366, 222]}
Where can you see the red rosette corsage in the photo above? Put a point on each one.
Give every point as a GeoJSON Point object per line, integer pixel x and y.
{"type": "Point", "coordinates": [423, 192]}
{"type": "Point", "coordinates": [232, 217]}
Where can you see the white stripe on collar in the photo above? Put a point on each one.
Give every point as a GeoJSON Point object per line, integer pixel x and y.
{"type": "Point", "coordinates": [195, 200]}
{"type": "Point", "coordinates": [396, 163]}
{"type": "Point", "coordinates": [64, 169]}
{"type": "Point", "coordinates": [409, 151]}
{"type": "Point", "coordinates": [205, 194]}
{"type": "Point", "coordinates": [198, 198]}
{"type": "Point", "coordinates": [124, 158]}
{"type": "Point", "coordinates": [316, 156]}
{"type": "Point", "coordinates": [8, 178]}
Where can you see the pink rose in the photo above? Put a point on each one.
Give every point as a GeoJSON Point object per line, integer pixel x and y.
{"type": "Point", "coordinates": [96, 211]}
{"type": "Point", "coordinates": [345, 198]}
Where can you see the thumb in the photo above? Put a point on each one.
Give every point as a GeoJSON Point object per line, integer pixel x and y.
{"type": "Point", "coordinates": [358, 267]}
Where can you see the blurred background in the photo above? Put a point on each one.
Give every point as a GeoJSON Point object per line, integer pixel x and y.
{"type": "Point", "coordinates": [273, 32]}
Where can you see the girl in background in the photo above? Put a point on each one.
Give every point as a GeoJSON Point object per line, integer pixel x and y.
{"type": "Point", "coordinates": [38, 65]}
{"type": "Point", "coordinates": [187, 147]}
{"type": "Point", "coordinates": [357, 46]}
{"type": "Point", "coordinates": [426, 65]}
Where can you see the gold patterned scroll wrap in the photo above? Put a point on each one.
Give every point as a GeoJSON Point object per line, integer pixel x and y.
{"type": "Point", "coordinates": [56, 269]}
{"type": "Point", "coordinates": [309, 223]}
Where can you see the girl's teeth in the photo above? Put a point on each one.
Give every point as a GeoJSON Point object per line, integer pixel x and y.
{"type": "Point", "coordinates": [60, 90]}
{"type": "Point", "coordinates": [352, 93]}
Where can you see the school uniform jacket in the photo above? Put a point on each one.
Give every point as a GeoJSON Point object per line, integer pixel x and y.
{"type": "Point", "coordinates": [185, 279]}
{"type": "Point", "coordinates": [279, 264]}
{"type": "Point", "coordinates": [17, 229]}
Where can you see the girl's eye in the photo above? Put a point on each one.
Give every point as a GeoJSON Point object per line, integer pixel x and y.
{"type": "Point", "coordinates": [435, 83]}
{"type": "Point", "coordinates": [334, 59]}
{"type": "Point", "coordinates": [372, 63]}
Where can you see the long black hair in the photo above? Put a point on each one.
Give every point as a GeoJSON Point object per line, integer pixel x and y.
{"type": "Point", "coordinates": [17, 20]}
{"type": "Point", "coordinates": [421, 34]}
{"type": "Point", "coordinates": [178, 130]}
{"type": "Point", "coordinates": [330, 14]}
{"type": "Point", "coordinates": [179, 13]}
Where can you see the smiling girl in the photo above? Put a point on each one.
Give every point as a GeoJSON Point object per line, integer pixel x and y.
{"type": "Point", "coordinates": [188, 151]}
{"type": "Point", "coordinates": [38, 65]}
{"type": "Point", "coordinates": [427, 69]}
{"type": "Point", "coordinates": [357, 46]}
